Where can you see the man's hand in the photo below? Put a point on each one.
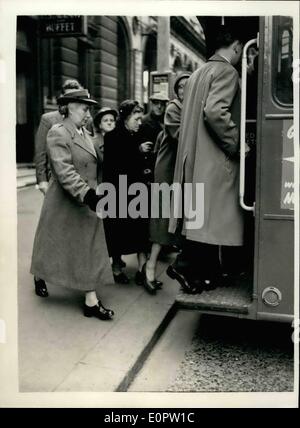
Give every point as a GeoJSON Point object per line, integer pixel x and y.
{"type": "Point", "coordinates": [247, 149]}
{"type": "Point", "coordinates": [146, 147]}
{"type": "Point", "coordinates": [43, 187]}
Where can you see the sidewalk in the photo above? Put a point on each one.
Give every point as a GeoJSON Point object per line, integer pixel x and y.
{"type": "Point", "coordinates": [60, 349]}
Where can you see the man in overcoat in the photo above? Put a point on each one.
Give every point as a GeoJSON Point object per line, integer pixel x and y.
{"type": "Point", "coordinates": [208, 153]}
{"type": "Point", "coordinates": [152, 125]}
{"type": "Point", "coordinates": [42, 166]}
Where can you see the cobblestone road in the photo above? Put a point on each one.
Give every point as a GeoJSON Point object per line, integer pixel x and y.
{"type": "Point", "coordinates": [234, 355]}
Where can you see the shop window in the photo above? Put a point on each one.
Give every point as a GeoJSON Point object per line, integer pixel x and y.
{"type": "Point", "coordinates": [150, 64]}
{"type": "Point", "coordinates": [283, 64]}
{"type": "Point", "coordinates": [146, 79]}
{"type": "Point", "coordinates": [177, 66]}
{"type": "Point", "coordinates": [189, 66]}
{"type": "Point", "coordinates": [47, 73]}
{"type": "Point", "coordinates": [86, 65]}
{"type": "Point", "coordinates": [86, 55]}
{"type": "Point", "coordinates": [21, 99]}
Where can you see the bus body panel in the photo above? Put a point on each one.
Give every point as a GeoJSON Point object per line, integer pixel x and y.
{"type": "Point", "coordinates": [271, 295]}
{"type": "Point", "coordinates": [274, 247]}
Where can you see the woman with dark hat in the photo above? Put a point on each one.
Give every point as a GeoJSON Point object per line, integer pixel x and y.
{"type": "Point", "coordinates": [105, 121]}
{"type": "Point", "coordinates": [124, 148]}
{"type": "Point", "coordinates": [69, 247]}
{"type": "Point", "coordinates": [163, 173]}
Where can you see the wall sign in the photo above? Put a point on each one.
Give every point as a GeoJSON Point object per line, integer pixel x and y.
{"type": "Point", "coordinates": [162, 82]}
{"type": "Point", "coordinates": [62, 25]}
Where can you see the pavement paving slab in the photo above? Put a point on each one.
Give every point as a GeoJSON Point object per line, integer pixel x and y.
{"type": "Point", "coordinates": [117, 351]}
{"type": "Point", "coordinates": [60, 349]}
{"type": "Point", "coordinates": [160, 369]}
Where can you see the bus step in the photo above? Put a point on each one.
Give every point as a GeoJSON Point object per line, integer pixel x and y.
{"type": "Point", "coordinates": [234, 299]}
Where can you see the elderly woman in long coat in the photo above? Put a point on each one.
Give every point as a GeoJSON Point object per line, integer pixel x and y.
{"type": "Point", "coordinates": [208, 153]}
{"type": "Point", "coordinates": [69, 247]}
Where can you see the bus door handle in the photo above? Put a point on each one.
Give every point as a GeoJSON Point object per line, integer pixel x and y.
{"type": "Point", "coordinates": [243, 125]}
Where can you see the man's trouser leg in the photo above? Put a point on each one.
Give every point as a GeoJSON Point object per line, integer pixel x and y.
{"type": "Point", "coordinates": [198, 260]}
{"type": "Point", "coordinates": [233, 260]}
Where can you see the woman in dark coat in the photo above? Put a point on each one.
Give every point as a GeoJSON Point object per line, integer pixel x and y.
{"type": "Point", "coordinates": [163, 173]}
{"type": "Point", "coordinates": [69, 247]}
{"type": "Point", "coordinates": [105, 121]}
{"type": "Point", "coordinates": [123, 155]}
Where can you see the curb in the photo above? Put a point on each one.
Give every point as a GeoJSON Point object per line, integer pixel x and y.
{"type": "Point", "coordinates": [27, 184]}
{"type": "Point", "coordinates": [137, 366]}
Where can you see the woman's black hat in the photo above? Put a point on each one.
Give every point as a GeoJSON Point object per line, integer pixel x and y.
{"type": "Point", "coordinates": [76, 96]}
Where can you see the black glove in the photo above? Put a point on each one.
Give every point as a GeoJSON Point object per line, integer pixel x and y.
{"type": "Point", "coordinates": [91, 199]}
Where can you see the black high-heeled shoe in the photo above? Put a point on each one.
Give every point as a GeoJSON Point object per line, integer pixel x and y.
{"type": "Point", "coordinates": [98, 311]}
{"type": "Point", "coordinates": [139, 278]}
{"type": "Point", "coordinates": [40, 288]}
{"type": "Point", "coordinates": [149, 285]}
{"type": "Point", "coordinates": [158, 284]}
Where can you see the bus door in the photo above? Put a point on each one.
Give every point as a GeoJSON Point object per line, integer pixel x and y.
{"type": "Point", "coordinates": [274, 193]}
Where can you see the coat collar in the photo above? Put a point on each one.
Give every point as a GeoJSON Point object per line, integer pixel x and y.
{"type": "Point", "coordinates": [83, 141]}
{"type": "Point", "coordinates": [177, 103]}
{"type": "Point", "coordinates": [98, 141]}
{"type": "Point", "coordinates": [219, 58]}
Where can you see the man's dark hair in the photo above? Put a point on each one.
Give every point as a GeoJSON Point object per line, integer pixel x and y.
{"type": "Point", "coordinates": [227, 35]}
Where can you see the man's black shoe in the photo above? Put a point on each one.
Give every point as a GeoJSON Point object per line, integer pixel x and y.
{"type": "Point", "coordinates": [210, 284]}
{"type": "Point", "coordinates": [40, 288]}
{"type": "Point", "coordinates": [121, 278]}
{"type": "Point", "coordinates": [232, 279]}
{"type": "Point", "coordinates": [189, 287]}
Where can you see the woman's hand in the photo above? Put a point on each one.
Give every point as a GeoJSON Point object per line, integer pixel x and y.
{"type": "Point", "coordinates": [91, 199]}
{"type": "Point", "coordinates": [146, 147]}
{"type": "Point", "coordinates": [43, 187]}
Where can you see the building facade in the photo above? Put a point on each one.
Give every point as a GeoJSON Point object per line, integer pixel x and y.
{"type": "Point", "coordinates": [112, 56]}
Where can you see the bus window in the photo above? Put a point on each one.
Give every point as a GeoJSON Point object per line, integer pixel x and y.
{"type": "Point", "coordinates": [283, 63]}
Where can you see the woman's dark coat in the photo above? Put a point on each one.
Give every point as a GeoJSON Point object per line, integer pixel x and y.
{"type": "Point", "coordinates": [164, 168]}
{"type": "Point", "coordinates": [123, 157]}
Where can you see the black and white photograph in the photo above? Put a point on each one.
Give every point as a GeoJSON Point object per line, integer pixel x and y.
{"type": "Point", "coordinates": [150, 204]}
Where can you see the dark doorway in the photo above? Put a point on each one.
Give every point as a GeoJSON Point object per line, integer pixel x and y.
{"type": "Point", "coordinates": [24, 125]}
{"type": "Point", "coordinates": [27, 100]}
